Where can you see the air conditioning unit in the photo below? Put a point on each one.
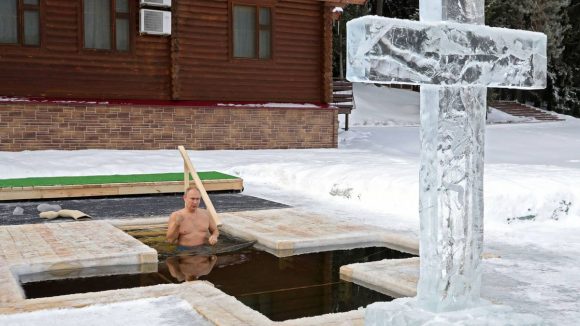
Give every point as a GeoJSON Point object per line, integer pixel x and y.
{"type": "Point", "coordinates": [156, 3]}
{"type": "Point", "coordinates": [155, 22]}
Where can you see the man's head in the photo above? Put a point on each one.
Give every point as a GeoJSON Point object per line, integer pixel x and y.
{"type": "Point", "coordinates": [192, 198]}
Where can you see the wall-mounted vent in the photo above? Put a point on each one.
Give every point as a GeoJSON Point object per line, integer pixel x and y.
{"type": "Point", "coordinates": [156, 3]}
{"type": "Point", "coordinates": [155, 22]}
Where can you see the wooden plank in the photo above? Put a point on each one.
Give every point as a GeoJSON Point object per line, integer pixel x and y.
{"type": "Point", "coordinates": [344, 110]}
{"type": "Point", "coordinates": [114, 189]}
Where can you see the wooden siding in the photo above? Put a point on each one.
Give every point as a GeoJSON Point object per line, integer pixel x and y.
{"type": "Point", "coordinates": [61, 68]}
{"type": "Point", "coordinates": [193, 64]}
{"type": "Point", "coordinates": [204, 70]}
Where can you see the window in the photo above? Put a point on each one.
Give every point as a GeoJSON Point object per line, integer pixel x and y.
{"type": "Point", "coordinates": [106, 25]}
{"type": "Point", "coordinates": [252, 32]}
{"type": "Point", "coordinates": [20, 22]}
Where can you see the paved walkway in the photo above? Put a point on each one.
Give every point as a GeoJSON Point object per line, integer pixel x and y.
{"type": "Point", "coordinates": [28, 249]}
{"type": "Point", "coordinates": [290, 231]}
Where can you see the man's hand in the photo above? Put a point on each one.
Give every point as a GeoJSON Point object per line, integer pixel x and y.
{"type": "Point", "coordinates": [213, 239]}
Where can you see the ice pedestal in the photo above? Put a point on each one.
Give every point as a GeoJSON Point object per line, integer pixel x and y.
{"type": "Point", "coordinates": [408, 312]}
{"type": "Point", "coordinates": [451, 196]}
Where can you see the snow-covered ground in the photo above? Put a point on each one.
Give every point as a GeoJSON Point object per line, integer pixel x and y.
{"type": "Point", "coordinates": [532, 188]}
{"type": "Point", "coordinates": [166, 311]}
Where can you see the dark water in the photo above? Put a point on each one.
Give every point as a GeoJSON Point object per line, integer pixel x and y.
{"type": "Point", "coordinates": [280, 288]}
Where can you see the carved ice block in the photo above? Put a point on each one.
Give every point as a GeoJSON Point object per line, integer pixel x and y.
{"type": "Point", "coordinates": [387, 50]}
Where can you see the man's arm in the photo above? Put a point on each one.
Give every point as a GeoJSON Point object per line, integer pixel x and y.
{"type": "Point", "coordinates": [214, 232]}
{"type": "Point", "coordinates": [173, 227]}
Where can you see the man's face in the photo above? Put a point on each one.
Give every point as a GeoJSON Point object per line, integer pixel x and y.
{"type": "Point", "coordinates": [192, 199]}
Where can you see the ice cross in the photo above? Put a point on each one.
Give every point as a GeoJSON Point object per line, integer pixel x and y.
{"type": "Point", "coordinates": [454, 58]}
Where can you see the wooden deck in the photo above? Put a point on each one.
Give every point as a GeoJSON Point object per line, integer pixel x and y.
{"type": "Point", "coordinates": [112, 189]}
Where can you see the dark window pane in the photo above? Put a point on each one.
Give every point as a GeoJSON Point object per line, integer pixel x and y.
{"type": "Point", "coordinates": [122, 6]}
{"type": "Point", "coordinates": [265, 33]}
{"type": "Point", "coordinates": [31, 2]}
{"type": "Point", "coordinates": [97, 24]}
{"type": "Point", "coordinates": [265, 44]}
{"type": "Point", "coordinates": [8, 21]}
{"type": "Point", "coordinates": [122, 28]}
{"type": "Point", "coordinates": [31, 28]}
{"type": "Point", "coordinates": [244, 32]}
{"type": "Point", "coordinates": [265, 16]}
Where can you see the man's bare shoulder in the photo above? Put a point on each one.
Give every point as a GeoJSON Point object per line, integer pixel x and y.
{"type": "Point", "coordinates": [176, 214]}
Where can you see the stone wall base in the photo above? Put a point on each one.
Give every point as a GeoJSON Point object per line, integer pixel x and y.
{"type": "Point", "coordinates": [41, 126]}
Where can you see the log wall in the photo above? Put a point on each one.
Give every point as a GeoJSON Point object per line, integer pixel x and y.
{"type": "Point", "coordinates": [60, 67]}
{"type": "Point", "coordinates": [204, 69]}
{"type": "Point", "coordinates": [193, 64]}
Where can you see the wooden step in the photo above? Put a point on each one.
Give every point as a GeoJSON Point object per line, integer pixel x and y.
{"type": "Point", "coordinates": [336, 96]}
{"type": "Point", "coordinates": [521, 110]}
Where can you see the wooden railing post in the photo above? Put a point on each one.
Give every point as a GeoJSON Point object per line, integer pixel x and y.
{"type": "Point", "coordinates": [189, 169]}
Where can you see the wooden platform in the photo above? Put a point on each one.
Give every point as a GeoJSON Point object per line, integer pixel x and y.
{"type": "Point", "coordinates": [112, 189]}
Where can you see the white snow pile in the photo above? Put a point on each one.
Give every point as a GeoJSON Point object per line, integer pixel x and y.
{"type": "Point", "coordinates": [401, 108]}
{"type": "Point", "coordinates": [166, 311]}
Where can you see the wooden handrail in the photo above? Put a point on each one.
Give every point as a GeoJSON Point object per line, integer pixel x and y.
{"type": "Point", "coordinates": [189, 169]}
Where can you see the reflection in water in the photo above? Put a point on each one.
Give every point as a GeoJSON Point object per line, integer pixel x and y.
{"type": "Point", "coordinates": [190, 268]}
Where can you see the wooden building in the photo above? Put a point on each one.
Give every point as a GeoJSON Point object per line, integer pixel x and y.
{"type": "Point", "coordinates": [232, 74]}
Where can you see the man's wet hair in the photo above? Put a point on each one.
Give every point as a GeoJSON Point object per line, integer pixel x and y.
{"type": "Point", "coordinates": [190, 188]}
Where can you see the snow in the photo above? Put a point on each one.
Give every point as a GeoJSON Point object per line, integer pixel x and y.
{"type": "Point", "coordinates": [28, 100]}
{"type": "Point", "coordinates": [167, 311]}
{"type": "Point", "coordinates": [402, 108]}
{"type": "Point", "coordinates": [531, 169]}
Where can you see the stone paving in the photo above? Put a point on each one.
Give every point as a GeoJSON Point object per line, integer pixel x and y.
{"type": "Point", "coordinates": [399, 277]}
{"type": "Point", "coordinates": [396, 278]}
{"type": "Point", "coordinates": [28, 249]}
{"type": "Point", "coordinates": [290, 231]}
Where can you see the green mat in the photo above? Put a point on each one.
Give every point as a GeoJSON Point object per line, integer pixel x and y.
{"type": "Point", "coordinates": [104, 179]}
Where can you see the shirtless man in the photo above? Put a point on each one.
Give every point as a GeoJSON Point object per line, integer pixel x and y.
{"type": "Point", "coordinates": [189, 226]}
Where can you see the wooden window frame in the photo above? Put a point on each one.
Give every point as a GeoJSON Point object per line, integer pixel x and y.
{"type": "Point", "coordinates": [130, 16]}
{"type": "Point", "coordinates": [20, 9]}
{"type": "Point", "coordinates": [258, 5]}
